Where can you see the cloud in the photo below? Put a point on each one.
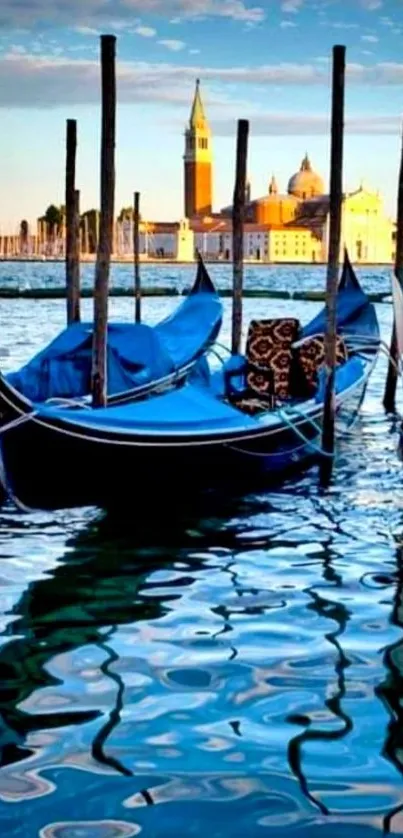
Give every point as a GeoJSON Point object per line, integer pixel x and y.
{"type": "Point", "coordinates": [145, 31]}
{"type": "Point", "coordinates": [286, 24]}
{"type": "Point", "coordinates": [95, 13]}
{"type": "Point", "coordinates": [283, 124]}
{"type": "Point", "coordinates": [371, 39]}
{"type": "Point", "coordinates": [291, 6]}
{"type": "Point", "coordinates": [172, 44]}
{"type": "Point", "coordinates": [342, 25]}
{"type": "Point", "coordinates": [17, 49]}
{"type": "Point", "coordinates": [371, 5]}
{"type": "Point", "coordinates": [86, 30]}
{"type": "Point", "coordinates": [41, 81]}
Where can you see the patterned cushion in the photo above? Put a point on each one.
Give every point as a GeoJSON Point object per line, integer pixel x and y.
{"type": "Point", "coordinates": [311, 356]}
{"type": "Point", "coordinates": [269, 345]}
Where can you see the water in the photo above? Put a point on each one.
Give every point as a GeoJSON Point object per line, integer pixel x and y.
{"type": "Point", "coordinates": [275, 277]}
{"type": "Point", "coordinates": [237, 672]}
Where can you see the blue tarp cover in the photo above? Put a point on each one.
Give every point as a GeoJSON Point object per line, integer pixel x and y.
{"type": "Point", "coordinates": [63, 369]}
{"type": "Point", "coordinates": [137, 354]}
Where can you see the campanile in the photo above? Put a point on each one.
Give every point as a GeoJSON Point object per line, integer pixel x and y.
{"type": "Point", "coordinates": [198, 161]}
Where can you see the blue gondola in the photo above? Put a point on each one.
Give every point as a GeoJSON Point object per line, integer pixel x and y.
{"type": "Point", "coordinates": [140, 358]}
{"type": "Point", "coordinates": [211, 432]}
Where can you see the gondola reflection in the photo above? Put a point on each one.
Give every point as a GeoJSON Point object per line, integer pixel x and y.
{"type": "Point", "coordinates": [100, 584]}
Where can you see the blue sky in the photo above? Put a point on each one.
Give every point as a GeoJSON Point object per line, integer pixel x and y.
{"type": "Point", "coordinates": [267, 61]}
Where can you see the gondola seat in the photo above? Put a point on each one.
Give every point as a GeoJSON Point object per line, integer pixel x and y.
{"type": "Point", "coordinates": [309, 360]}
{"type": "Point", "coordinates": [266, 368]}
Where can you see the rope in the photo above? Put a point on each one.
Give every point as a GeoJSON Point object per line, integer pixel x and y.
{"type": "Point", "coordinates": [302, 436]}
{"type": "Point", "coordinates": [67, 403]}
{"type": "Point", "coordinates": [19, 421]}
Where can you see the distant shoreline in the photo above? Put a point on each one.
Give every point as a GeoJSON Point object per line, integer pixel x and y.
{"type": "Point", "coordinates": [128, 260]}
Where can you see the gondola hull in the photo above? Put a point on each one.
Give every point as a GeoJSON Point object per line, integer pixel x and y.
{"type": "Point", "coordinates": [48, 464]}
{"type": "Point", "coordinates": [182, 443]}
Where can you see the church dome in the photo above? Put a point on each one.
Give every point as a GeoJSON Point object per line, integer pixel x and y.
{"type": "Point", "coordinates": [306, 183]}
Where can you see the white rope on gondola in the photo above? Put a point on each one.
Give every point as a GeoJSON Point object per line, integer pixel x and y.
{"type": "Point", "coordinates": [20, 420]}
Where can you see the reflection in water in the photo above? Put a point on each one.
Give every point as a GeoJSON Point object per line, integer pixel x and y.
{"type": "Point", "coordinates": [194, 639]}
{"type": "Point", "coordinates": [103, 582]}
{"type": "Point", "coordinates": [391, 689]}
{"type": "Point", "coordinates": [324, 607]}
{"type": "Point", "coordinates": [98, 585]}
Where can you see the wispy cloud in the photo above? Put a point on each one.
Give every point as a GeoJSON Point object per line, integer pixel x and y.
{"type": "Point", "coordinates": [93, 13]}
{"type": "Point", "coordinates": [47, 81]}
{"type": "Point", "coordinates": [291, 6]}
{"type": "Point", "coordinates": [303, 124]}
{"type": "Point", "coordinates": [288, 24]}
{"type": "Point", "coordinates": [145, 31]}
{"type": "Point", "coordinates": [172, 44]}
{"type": "Point", "coordinates": [371, 5]}
{"type": "Point", "coordinates": [17, 49]}
{"type": "Point", "coordinates": [340, 24]}
{"type": "Point", "coordinates": [86, 30]}
{"type": "Point", "coordinates": [370, 39]}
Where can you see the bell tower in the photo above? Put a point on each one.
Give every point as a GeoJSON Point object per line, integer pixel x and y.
{"type": "Point", "coordinates": [198, 161]}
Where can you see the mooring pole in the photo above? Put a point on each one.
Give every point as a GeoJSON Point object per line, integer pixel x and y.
{"type": "Point", "coordinates": [104, 249]}
{"type": "Point", "coordinates": [72, 240]}
{"type": "Point", "coordinates": [238, 220]}
{"type": "Point", "coordinates": [336, 201]}
{"type": "Point", "coordinates": [389, 399]}
{"type": "Point", "coordinates": [136, 250]}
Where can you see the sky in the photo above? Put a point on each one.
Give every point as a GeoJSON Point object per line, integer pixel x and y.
{"type": "Point", "coordinates": [268, 61]}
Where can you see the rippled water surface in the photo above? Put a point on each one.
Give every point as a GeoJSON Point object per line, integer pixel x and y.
{"type": "Point", "coordinates": [237, 671]}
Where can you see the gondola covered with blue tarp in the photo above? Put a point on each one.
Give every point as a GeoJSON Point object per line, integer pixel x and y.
{"type": "Point", "coordinates": [255, 418]}
{"type": "Point", "coordinates": [139, 356]}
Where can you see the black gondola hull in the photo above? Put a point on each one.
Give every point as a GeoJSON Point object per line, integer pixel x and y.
{"type": "Point", "coordinates": [48, 465]}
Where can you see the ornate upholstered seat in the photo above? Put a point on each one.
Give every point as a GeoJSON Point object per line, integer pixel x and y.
{"type": "Point", "coordinates": [310, 357]}
{"type": "Point", "coordinates": [267, 368]}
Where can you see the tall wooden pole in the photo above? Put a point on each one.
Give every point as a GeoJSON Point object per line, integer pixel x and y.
{"type": "Point", "coordinates": [336, 201]}
{"type": "Point", "coordinates": [136, 249]}
{"type": "Point", "coordinates": [389, 399]}
{"type": "Point", "coordinates": [238, 219]}
{"type": "Point", "coordinates": [72, 242]}
{"type": "Point", "coordinates": [102, 269]}
{"type": "Point", "coordinates": [78, 241]}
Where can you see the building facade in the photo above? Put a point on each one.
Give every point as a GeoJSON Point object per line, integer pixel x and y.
{"type": "Point", "coordinates": [290, 226]}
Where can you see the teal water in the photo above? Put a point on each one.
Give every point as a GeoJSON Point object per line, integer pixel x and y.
{"type": "Point", "coordinates": [237, 671]}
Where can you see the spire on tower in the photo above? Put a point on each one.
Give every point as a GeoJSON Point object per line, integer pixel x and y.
{"type": "Point", "coordinates": [306, 164]}
{"type": "Point", "coordinates": [197, 115]}
{"type": "Point", "coordinates": [273, 188]}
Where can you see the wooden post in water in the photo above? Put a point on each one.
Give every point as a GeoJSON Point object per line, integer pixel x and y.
{"type": "Point", "coordinates": [238, 218]}
{"type": "Point", "coordinates": [136, 249]}
{"type": "Point", "coordinates": [336, 201]}
{"type": "Point", "coordinates": [72, 242]}
{"type": "Point", "coordinates": [102, 269]}
{"type": "Point", "coordinates": [389, 399]}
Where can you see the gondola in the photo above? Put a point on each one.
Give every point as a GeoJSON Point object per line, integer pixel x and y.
{"type": "Point", "coordinates": [140, 358]}
{"type": "Point", "coordinates": [236, 424]}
